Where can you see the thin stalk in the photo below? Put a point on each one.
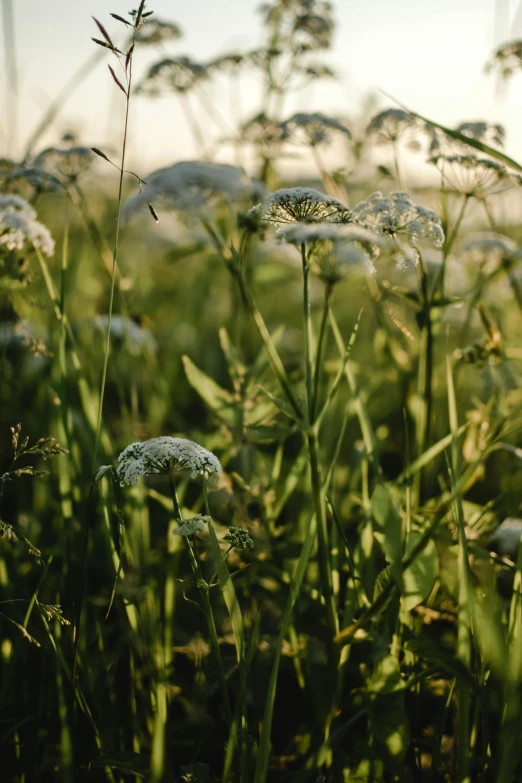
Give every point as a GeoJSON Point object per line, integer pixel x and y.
{"type": "Point", "coordinates": [448, 244]}
{"type": "Point", "coordinates": [114, 258]}
{"type": "Point", "coordinates": [203, 588]}
{"type": "Point", "coordinates": [512, 279]}
{"type": "Point", "coordinates": [321, 345]}
{"type": "Point", "coordinates": [325, 564]}
{"type": "Point", "coordinates": [425, 373]}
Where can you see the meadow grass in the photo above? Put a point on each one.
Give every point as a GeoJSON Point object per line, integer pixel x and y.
{"type": "Point", "coordinates": [260, 488]}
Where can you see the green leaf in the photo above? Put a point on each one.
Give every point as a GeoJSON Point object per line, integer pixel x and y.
{"type": "Point", "coordinates": [218, 399]}
{"type": "Point", "coordinates": [388, 718]}
{"type": "Point", "coordinates": [229, 593]}
{"type": "Point", "coordinates": [388, 529]}
{"type": "Point", "coordinates": [420, 576]}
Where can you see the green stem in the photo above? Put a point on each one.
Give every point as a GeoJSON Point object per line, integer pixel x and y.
{"type": "Point", "coordinates": [325, 565]}
{"type": "Point", "coordinates": [321, 345]}
{"type": "Point", "coordinates": [203, 588]}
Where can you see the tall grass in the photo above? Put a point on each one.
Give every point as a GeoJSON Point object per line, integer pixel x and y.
{"type": "Point", "coordinates": [338, 596]}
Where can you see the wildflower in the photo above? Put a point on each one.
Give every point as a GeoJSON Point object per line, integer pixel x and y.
{"type": "Point", "coordinates": [70, 162]}
{"type": "Point", "coordinates": [397, 214]}
{"type": "Point", "coordinates": [476, 176]}
{"type": "Point", "coordinates": [192, 525]}
{"type": "Point", "coordinates": [490, 252]}
{"type": "Point", "coordinates": [159, 455]}
{"type": "Point", "coordinates": [19, 227]}
{"type": "Point", "coordinates": [262, 131]}
{"type": "Point", "coordinates": [335, 247]}
{"type": "Point", "coordinates": [191, 185]}
{"type": "Point", "coordinates": [178, 74]}
{"type": "Point", "coordinates": [479, 130]}
{"type": "Point", "coordinates": [157, 31]}
{"type": "Point", "coordinates": [314, 26]}
{"type": "Point", "coordinates": [238, 538]}
{"type": "Point", "coordinates": [30, 182]}
{"type": "Point", "coordinates": [316, 128]}
{"type": "Point", "coordinates": [393, 124]}
{"type": "Point", "coordinates": [507, 59]}
{"type": "Point", "coordinates": [290, 205]}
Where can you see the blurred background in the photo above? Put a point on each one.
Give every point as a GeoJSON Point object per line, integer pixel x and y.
{"type": "Point", "coordinates": [430, 57]}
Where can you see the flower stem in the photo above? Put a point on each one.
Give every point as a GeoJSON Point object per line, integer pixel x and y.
{"type": "Point", "coordinates": [203, 588]}
{"type": "Point", "coordinates": [325, 566]}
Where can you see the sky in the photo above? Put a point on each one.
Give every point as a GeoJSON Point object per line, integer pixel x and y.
{"type": "Point", "coordinates": [429, 56]}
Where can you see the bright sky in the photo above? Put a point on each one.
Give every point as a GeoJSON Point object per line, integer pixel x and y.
{"type": "Point", "coordinates": [430, 56]}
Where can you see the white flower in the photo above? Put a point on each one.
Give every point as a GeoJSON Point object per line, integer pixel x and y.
{"type": "Point", "coordinates": [491, 251]}
{"type": "Point", "coordinates": [159, 455]}
{"type": "Point", "coordinates": [192, 525]}
{"type": "Point", "coordinates": [31, 182]}
{"type": "Point", "coordinates": [392, 124]}
{"type": "Point", "coordinates": [179, 74]}
{"type": "Point", "coordinates": [19, 227]}
{"type": "Point", "coordinates": [397, 214]}
{"type": "Point", "coordinates": [70, 162]}
{"type": "Point", "coordinates": [507, 59]}
{"type": "Point", "coordinates": [290, 205]}
{"type": "Point", "coordinates": [316, 128]}
{"type": "Point", "coordinates": [335, 247]}
{"type": "Point", "coordinates": [191, 185]}
{"type": "Point", "coordinates": [476, 176]}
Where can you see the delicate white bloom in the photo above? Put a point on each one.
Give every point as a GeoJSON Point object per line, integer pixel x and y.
{"type": "Point", "coordinates": [191, 185]}
{"type": "Point", "coordinates": [70, 162]}
{"type": "Point", "coordinates": [491, 251]}
{"type": "Point", "coordinates": [493, 135]}
{"type": "Point", "coordinates": [506, 59]}
{"type": "Point", "coordinates": [159, 455]}
{"type": "Point", "coordinates": [156, 31]}
{"type": "Point", "coordinates": [135, 336]}
{"type": "Point", "coordinates": [31, 182]}
{"type": "Point", "coordinates": [290, 205]}
{"type": "Point", "coordinates": [179, 74]}
{"type": "Point", "coordinates": [335, 247]}
{"type": "Point", "coordinates": [315, 129]}
{"type": "Point", "coordinates": [19, 226]}
{"type": "Point", "coordinates": [397, 214]}
{"type": "Point", "coordinates": [393, 124]}
{"type": "Point", "coordinates": [192, 525]}
{"type": "Point", "coordinates": [476, 176]}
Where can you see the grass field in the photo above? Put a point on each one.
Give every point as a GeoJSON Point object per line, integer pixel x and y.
{"type": "Point", "coordinates": [260, 476]}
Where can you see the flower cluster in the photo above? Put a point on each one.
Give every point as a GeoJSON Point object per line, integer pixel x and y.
{"type": "Point", "coordinates": [238, 537]}
{"type": "Point", "coordinates": [335, 247]}
{"type": "Point", "coordinates": [393, 124]}
{"type": "Point", "coordinates": [290, 205]}
{"type": "Point", "coordinates": [315, 129]}
{"type": "Point", "coordinates": [160, 455]}
{"type": "Point", "coordinates": [19, 226]}
{"type": "Point", "coordinates": [70, 162]}
{"type": "Point", "coordinates": [156, 31]}
{"type": "Point", "coordinates": [192, 525]}
{"type": "Point", "coordinates": [476, 176]}
{"type": "Point", "coordinates": [397, 214]}
{"type": "Point", "coordinates": [490, 252]}
{"type": "Point", "coordinates": [506, 59]}
{"type": "Point", "coordinates": [30, 182]}
{"type": "Point", "coordinates": [179, 74]}
{"type": "Point", "coordinates": [191, 185]}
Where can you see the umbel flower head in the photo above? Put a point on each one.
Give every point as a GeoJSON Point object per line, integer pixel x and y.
{"type": "Point", "coordinates": [160, 455]}
{"type": "Point", "coordinates": [506, 59]}
{"type": "Point", "coordinates": [291, 205]}
{"type": "Point", "coordinates": [179, 74]}
{"type": "Point", "coordinates": [314, 129]}
{"type": "Point", "coordinates": [70, 162]}
{"type": "Point", "coordinates": [192, 525]}
{"type": "Point", "coordinates": [19, 227]}
{"type": "Point", "coordinates": [391, 125]}
{"type": "Point", "coordinates": [335, 247]}
{"type": "Point", "coordinates": [397, 214]}
{"type": "Point", "coordinates": [191, 185]}
{"type": "Point", "coordinates": [476, 176]}
{"type": "Point", "coordinates": [488, 252]}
